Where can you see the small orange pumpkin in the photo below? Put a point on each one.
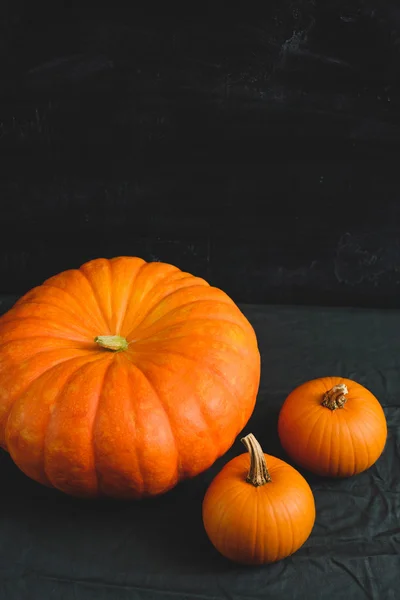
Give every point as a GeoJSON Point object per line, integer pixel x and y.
{"type": "Point", "coordinates": [332, 426]}
{"type": "Point", "coordinates": [123, 377]}
{"type": "Point", "coordinates": [260, 514]}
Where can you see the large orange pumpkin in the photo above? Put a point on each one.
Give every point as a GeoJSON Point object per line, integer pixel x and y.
{"type": "Point", "coordinates": [332, 426]}
{"type": "Point", "coordinates": [122, 377]}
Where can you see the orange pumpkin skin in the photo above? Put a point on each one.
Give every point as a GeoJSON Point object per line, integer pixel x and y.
{"type": "Point", "coordinates": [338, 442]}
{"type": "Point", "coordinates": [258, 525]}
{"type": "Point", "coordinates": [90, 421]}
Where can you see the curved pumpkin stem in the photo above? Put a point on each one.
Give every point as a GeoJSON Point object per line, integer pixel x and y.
{"type": "Point", "coordinates": [336, 397]}
{"type": "Point", "coordinates": [258, 473]}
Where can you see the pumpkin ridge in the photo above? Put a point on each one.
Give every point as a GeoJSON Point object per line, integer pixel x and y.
{"type": "Point", "coordinates": [97, 299]}
{"type": "Point", "coordinates": [134, 409]}
{"type": "Point", "coordinates": [130, 287]}
{"type": "Point", "coordinates": [323, 435]}
{"type": "Point", "coordinates": [255, 524]}
{"type": "Point", "coordinates": [371, 412]}
{"type": "Point", "coordinates": [314, 427]}
{"type": "Point", "coordinates": [361, 437]}
{"type": "Point", "coordinates": [243, 352]}
{"type": "Point", "coordinates": [210, 424]}
{"type": "Point", "coordinates": [367, 447]}
{"type": "Point", "coordinates": [56, 400]}
{"type": "Point", "coordinates": [263, 525]}
{"type": "Point", "coordinates": [49, 337]}
{"type": "Point", "coordinates": [227, 507]}
{"type": "Point", "coordinates": [229, 489]}
{"type": "Point", "coordinates": [160, 282]}
{"type": "Point", "coordinates": [329, 427]}
{"type": "Point", "coordinates": [275, 520]}
{"type": "Point", "coordinates": [51, 323]}
{"type": "Point", "coordinates": [213, 371]}
{"type": "Point", "coordinates": [185, 320]}
{"type": "Point", "coordinates": [95, 420]}
{"type": "Point", "coordinates": [25, 389]}
{"type": "Point", "coordinates": [76, 299]}
{"type": "Point", "coordinates": [267, 519]}
{"type": "Point", "coordinates": [303, 416]}
{"type": "Point", "coordinates": [173, 310]}
{"type": "Point", "coordinates": [344, 420]}
{"type": "Point", "coordinates": [240, 508]}
{"type": "Point", "coordinates": [374, 415]}
{"type": "Point", "coordinates": [55, 307]}
{"type": "Point", "coordinates": [163, 406]}
{"type": "Point", "coordinates": [211, 368]}
{"type": "Point", "coordinates": [45, 373]}
{"type": "Point", "coordinates": [62, 309]}
{"type": "Point", "coordinates": [154, 306]}
{"type": "Point", "coordinates": [289, 525]}
{"type": "Point", "coordinates": [87, 351]}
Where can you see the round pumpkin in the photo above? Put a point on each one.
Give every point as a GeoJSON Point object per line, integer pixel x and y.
{"type": "Point", "coordinates": [332, 426]}
{"type": "Point", "coordinates": [258, 509]}
{"type": "Point", "coordinates": [123, 377]}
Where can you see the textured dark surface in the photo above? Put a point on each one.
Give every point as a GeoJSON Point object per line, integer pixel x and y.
{"type": "Point", "coordinates": [259, 150]}
{"type": "Point", "coordinates": [53, 546]}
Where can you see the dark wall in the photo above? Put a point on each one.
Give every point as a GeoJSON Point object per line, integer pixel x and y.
{"type": "Point", "coordinates": [259, 150]}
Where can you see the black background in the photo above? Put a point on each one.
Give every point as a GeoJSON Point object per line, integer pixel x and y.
{"type": "Point", "coordinates": [257, 148]}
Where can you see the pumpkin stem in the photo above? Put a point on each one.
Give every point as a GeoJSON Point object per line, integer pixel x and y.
{"type": "Point", "coordinates": [258, 473]}
{"type": "Point", "coordinates": [115, 343]}
{"type": "Point", "coordinates": [336, 397]}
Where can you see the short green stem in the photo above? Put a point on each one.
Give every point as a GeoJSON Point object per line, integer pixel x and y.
{"type": "Point", "coordinates": [115, 343]}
